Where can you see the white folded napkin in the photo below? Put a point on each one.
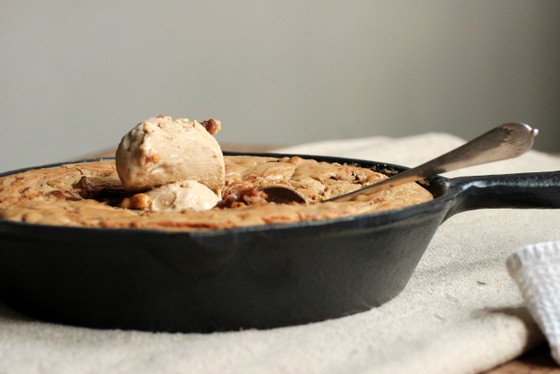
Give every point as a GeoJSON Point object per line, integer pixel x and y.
{"type": "Point", "coordinates": [536, 270]}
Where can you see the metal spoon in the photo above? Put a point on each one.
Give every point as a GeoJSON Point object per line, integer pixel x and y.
{"type": "Point", "coordinates": [503, 142]}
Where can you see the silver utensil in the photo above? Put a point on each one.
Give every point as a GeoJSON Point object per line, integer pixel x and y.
{"type": "Point", "coordinates": [503, 142]}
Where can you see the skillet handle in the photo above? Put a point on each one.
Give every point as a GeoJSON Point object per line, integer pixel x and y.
{"type": "Point", "coordinates": [524, 190]}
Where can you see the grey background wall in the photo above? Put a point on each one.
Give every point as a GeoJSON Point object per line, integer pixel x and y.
{"type": "Point", "coordinates": [75, 75]}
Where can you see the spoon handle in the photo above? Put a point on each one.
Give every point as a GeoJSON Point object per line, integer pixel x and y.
{"type": "Point", "coordinates": [503, 142]}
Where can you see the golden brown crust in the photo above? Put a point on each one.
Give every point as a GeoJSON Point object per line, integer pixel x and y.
{"type": "Point", "coordinates": [89, 194]}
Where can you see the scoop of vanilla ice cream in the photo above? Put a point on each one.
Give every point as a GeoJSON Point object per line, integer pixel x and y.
{"type": "Point", "coordinates": [182, 195]}
{"type": "Point", "coordinates": [162, 150]}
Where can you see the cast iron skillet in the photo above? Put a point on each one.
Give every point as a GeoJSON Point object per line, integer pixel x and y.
{"type": "Point", "coordinates": [255, 277]}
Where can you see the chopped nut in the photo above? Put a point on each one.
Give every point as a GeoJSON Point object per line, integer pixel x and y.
{"type": "Point", "coordinates": [212, 126]}
{"type": "Point", "coordinates": [152, 159]}
{"type": "Point", "coordinates": [139, 201]}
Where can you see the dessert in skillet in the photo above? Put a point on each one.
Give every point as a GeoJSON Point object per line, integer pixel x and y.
{"type": "Point", "coordinates": [171, 174]}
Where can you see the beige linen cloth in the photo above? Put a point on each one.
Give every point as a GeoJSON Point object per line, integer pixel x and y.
{"type": "Point", "coordinates": [460, 313]}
